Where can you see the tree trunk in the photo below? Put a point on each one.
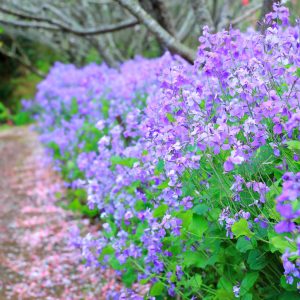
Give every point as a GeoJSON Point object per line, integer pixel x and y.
{"type": "Point", "coordinates": [157, 30]}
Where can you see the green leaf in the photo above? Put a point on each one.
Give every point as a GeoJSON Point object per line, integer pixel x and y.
{"type": "Point", "coordinates": [164, 184]}
{"type": "Point", "coordinates": [139, 205]}
{"type": "Point", "coordinates": [105, 108]}
{"type": "Point", "coordinates": [289, 295]}
{"type": "Point", "coordinates": [129, 277]}
{"type": "Point", "coordinates": [240, 228]}
{"type": "Point", "coordinates": [243, 245]}
{"type": "Point", "coordinates": [261, 162]}
{"type": "Point", "coordinates": [159, 167]}
{"type": "Point", "coordinates": [198, 225]}
{"type": "Point", "coordinates": [195, 258]}
{"type": "Point", "coordinates": [188, 188]}
{"type": "Point", "coordinates": [145, 280]}
{"type": "Point", "coordinates": [287, 286]}
{"type": "Point", "coordinates": [202, 104]}
{"type": "Point", "coordinates": [195, 282]}
{"type": "Point", "coordinates": [71, 165]}
{"type": "Point", "coordinates": [124, 161]}
{"type": "Point", "coordinates": [282, 88]}
{"type": "Point", "coordinates": [256, 260]}
{"type": "Point", "coordinates": [176, 247]}
{"type": "Point", "coordinates": [281, 244]}
{"type": "Point", "coordinates": [222, 294]}
{"type": "Point", "coordinates": [114, 263]}
{"type": "Point", "coordinates": [298, 72]}
{"type": "Point", "coordinates": [140, 230]}
{"type": "Point", "coordinates": [248, 296]}
{"type": "Point", "coordinates": [248, 282]}
{"type": "Point", "coordinates": [107, 250]}
{"type": "Point", "coordinates": [160, 211]}
{"type": "Point", "coordinates": [225, 283]}
{"type": "Point", "coordinates": [74, 107]}
{"type": "Point", "coordinates": [157, 289]}
{"type": "Point", "coordinates": [186, 218]}
{"type": "Point", "coordinates": [213, 214]}
{"type": "Point", "coordinates": [170, 118]}
{"type": "Point", "coordinates": [133, 187]}
{"type": "Point", "coordinates": [293, 145]}
{"type": "Point", "coordinates": [201, 209]}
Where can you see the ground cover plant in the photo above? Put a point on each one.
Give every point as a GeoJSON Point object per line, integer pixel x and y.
{"type": "Point", "coordinates": [193, 171]}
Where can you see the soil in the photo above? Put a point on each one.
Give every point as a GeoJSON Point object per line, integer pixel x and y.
{"type": "Point", "coordinates": [36, 259]}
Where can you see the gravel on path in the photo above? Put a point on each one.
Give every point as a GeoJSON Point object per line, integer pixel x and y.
{"type": "Point", "coordinates": [36, 260]}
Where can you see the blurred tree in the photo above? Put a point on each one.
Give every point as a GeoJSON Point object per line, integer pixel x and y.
{"type": "Point", "coordinates": [38, 32]}
{"type": "Point", "coordinates": [119, 29]}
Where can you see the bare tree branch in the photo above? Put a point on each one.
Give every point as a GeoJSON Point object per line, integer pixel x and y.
{"type": "Point", "coordinates": [247, 14]}
{"type": "Point", "coordinates": [162, 35]}
{"type": "Point", "coordinates": [110, 37]}
{"type": "Point", "coordinates": [202, 15]}
{"type": "Point", "coordinates": [42, 23]}
{"type": "Point", "coordinates": [56, 12]}
{"type": "Point", "coordinates": [225, 16]}
{"type": "Point", "coordinates": [187, 26]}
{"type": "Point", "coordinates": [24, 15]}
{"type": "Point", "coordinates": [25, 24]}
{"type": "Point", "coordinates": [99, 43]}
{"type": "Point", "coordinates": [76, 26]}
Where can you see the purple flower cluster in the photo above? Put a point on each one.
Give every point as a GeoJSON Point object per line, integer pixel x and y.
{"type": "Point", "coordinates": [288, 206]}
{"type": "Point", "coordinates": [71, 100]}
{"type": "Point", "coordinates": [223, 133]}
{"type": "Point", "coordinates": [292, 269]}
{"type": "Point", "coordinates": [288, 203]}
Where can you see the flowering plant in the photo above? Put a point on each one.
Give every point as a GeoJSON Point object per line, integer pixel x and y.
{"type": "Point", "coordinates": [196, 174]}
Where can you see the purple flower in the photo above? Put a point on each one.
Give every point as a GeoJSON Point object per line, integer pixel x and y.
{"type": "Point", "coordinates": [291, 270]}
{"type": "Point", "coordinates": [290, 193]}
{"type": "Point", "coordinates": [236, 291]}
{"type": "Point", "coordinates": [187, 202]}
{"type": "Point", "coordinates": [285, 226]}
{"type": "Point", "coordinates": [228, 165]}
{"type": "Point", "coordinates": [179, 272]}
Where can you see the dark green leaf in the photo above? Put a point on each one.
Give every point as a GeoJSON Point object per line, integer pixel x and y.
{"type": "Point", "coordinates": [248, 282]}
{"type": "Point", "coordinates": [195, 282]}
{"type": "Point", "coordinates": [157, 289]}
{"type": "Point", "coordinates": [243, 245]}
{"type": "Point", "coordinates": [201, 209]}
{"type": "Point", "coordinates": [289, 296]}
{"type": "Point", "coordinates": [256, 260]}
{"type": "Point", "coordinates": [196, 258]}
{"type": "Point", "coordinates": [198, 225]}
{"type": "Point", "coordinates": [129, 277]}
{"type": "Point", "coordinates": [248, 296]}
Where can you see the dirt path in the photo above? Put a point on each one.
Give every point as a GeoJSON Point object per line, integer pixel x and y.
{"type": "Point", "coordinates": [36, 261]}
